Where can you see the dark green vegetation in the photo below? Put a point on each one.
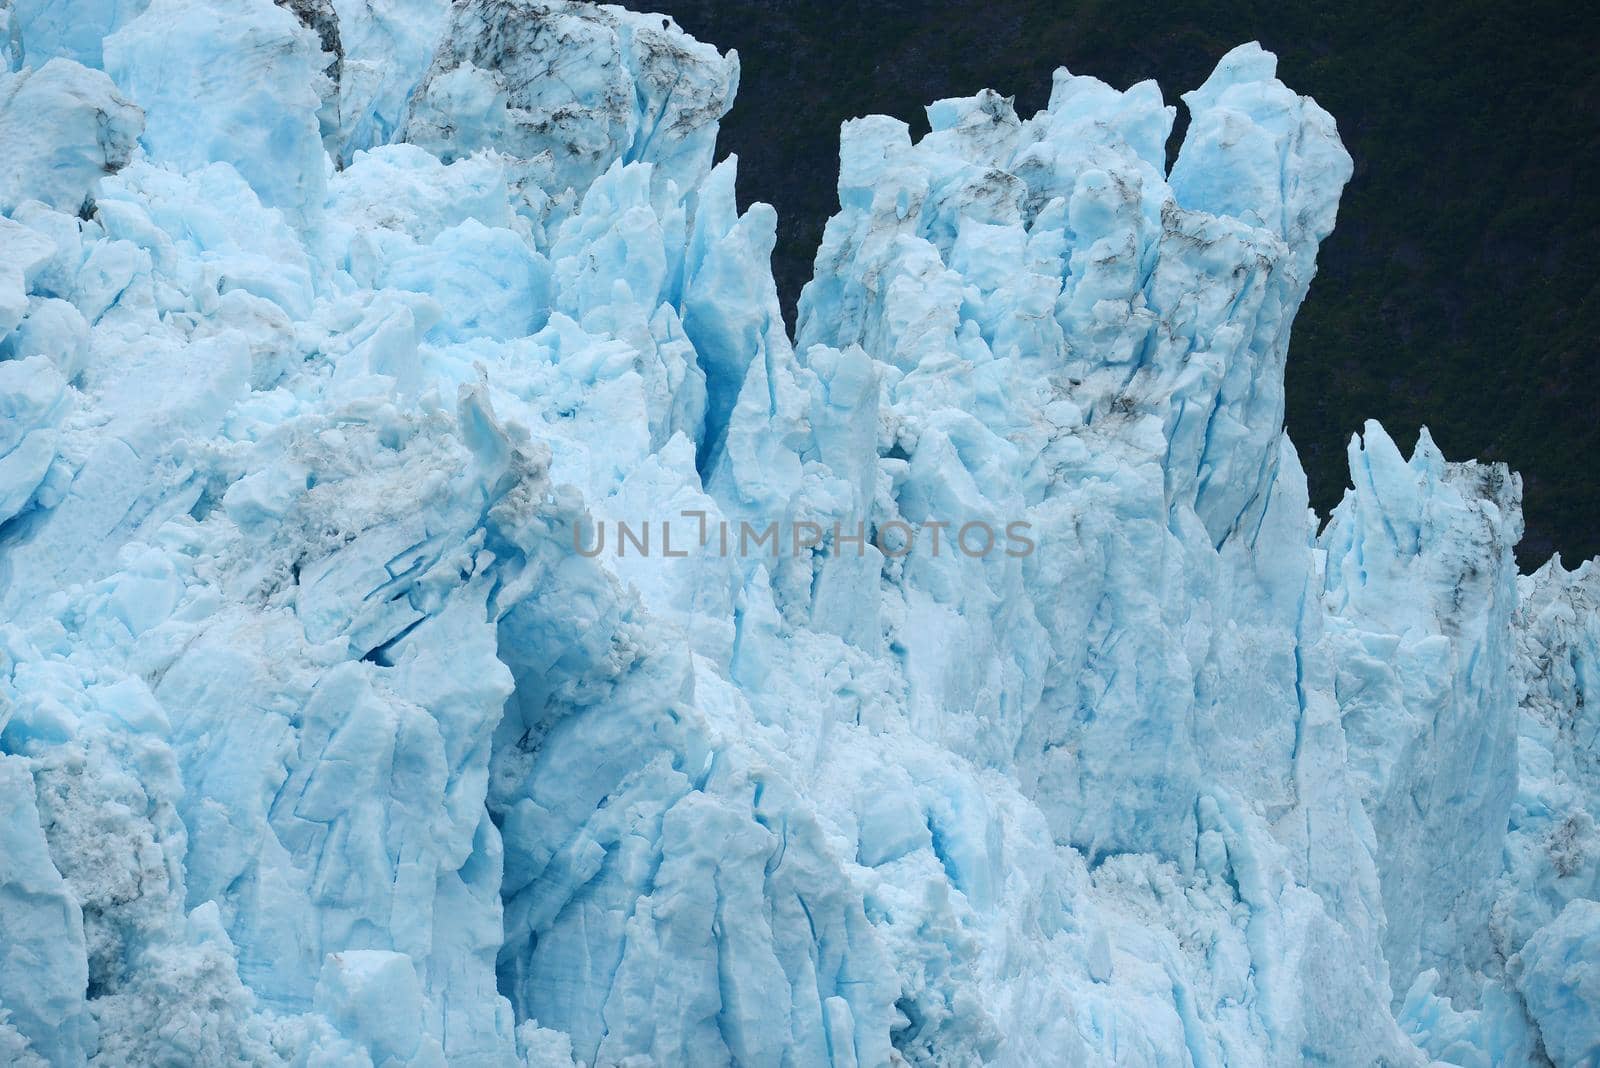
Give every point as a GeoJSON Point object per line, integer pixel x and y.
{"type": "Point", "coordinates": [1459, 290]}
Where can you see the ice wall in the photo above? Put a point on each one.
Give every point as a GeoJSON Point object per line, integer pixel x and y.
{"type": "Point", "coordinates": [331, 335]}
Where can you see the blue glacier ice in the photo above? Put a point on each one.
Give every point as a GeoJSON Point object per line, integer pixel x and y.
{"type": "Point", "coordinates": [333, 334]}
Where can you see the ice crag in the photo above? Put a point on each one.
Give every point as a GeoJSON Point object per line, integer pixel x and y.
{"type": "Point", "coordinates": [331, 336]}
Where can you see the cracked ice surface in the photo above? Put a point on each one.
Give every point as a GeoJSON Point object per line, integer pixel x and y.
{"type": "Point", "coordinates": [324, 327]}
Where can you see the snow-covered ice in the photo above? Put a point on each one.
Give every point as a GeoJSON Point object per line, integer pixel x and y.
{"type": "Point", "coordinates": [332, 335]}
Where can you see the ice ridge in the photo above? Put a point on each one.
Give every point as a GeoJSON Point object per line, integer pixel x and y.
{"type": "Point", "coordinates": [352, 353]}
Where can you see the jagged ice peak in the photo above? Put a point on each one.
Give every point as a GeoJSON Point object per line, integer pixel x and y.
{"type": "Point", "coordinates": [446, 618]}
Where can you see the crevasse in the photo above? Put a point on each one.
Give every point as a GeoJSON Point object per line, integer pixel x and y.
{"type": "Point", "coordinates": [327, 330]}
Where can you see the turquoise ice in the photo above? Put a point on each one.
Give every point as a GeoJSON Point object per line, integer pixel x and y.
{"type": "Point", "coordinates": [320, 743]}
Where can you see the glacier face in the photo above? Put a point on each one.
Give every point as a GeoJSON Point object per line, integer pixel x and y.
{"type": "Point", "coordinates": [332, 334]}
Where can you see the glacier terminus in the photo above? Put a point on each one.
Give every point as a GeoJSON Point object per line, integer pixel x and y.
{"type": "Point", "coordinates": [331, 333]}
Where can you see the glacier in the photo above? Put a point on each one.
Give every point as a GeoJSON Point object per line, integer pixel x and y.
{"type": "Point", "coordinates": [333, 333]}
